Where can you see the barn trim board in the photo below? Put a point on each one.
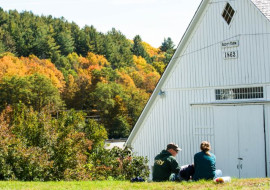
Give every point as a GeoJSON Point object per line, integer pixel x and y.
{"type": "Point", "coordinates": [221, 66]}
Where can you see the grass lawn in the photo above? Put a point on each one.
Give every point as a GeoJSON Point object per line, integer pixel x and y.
{"type": "Point", "coordinates": [262, 183]}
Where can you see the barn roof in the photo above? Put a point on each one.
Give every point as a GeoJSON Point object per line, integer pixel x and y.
{"type": "Point", "coordinates": [263, 6]}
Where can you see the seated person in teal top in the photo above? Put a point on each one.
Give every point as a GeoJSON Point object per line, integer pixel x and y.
{"type": "Point", "coordinates": [165, 163]}
{"type": "Point", "coordinates": [205, 163]}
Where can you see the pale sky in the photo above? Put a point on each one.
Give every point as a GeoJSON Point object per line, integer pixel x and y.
{"type": "Point", "coordinates": [153, 20]}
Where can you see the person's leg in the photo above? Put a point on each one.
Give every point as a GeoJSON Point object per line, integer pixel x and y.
{"type": "Point", "coordinates": [187, 172]}
{"type": "Point", "coordinates": [218, 173]}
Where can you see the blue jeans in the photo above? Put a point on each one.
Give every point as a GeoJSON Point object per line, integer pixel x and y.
{"type": "Point", "coordinates": [175, 177]}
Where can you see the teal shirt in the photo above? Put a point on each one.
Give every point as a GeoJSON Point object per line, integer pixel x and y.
{"type": "Point", "coordinates": [205, 166]}
{"type": "Point", "coordinates": [165, 164]}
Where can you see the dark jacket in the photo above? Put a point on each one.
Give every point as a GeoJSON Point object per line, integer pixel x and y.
{"type": "Point", "coordinates": [205, 166]}
{"type": "Point", "coordinates": [165, 164]}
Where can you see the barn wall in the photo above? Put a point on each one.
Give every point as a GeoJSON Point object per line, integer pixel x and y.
{"type": "Point", "coordinates": [267, 135]}
{"type": "Point", "coordinates": [172, 119]}
{"type": "Point", "coordinates": [202, 64]}
{"type": "Point", "coordinates": [199, 70]}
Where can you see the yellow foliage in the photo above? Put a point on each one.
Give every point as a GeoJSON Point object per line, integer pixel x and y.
{"type": "Point", "coordinates": [93, 59]}
{"type": "Point", "coordinates": [126, 80]}
{"type": "Point", "coordinates": [97, 59]}
{"type": "Point", "coordinates": [46, 68]}
{"type": "Point", "coordinates": [71, 88]}
{"type": "Point", "coordinates": [151, 50]}
{"type": "Point", "coordinates": [151, 80]}
{"type": "Point", "coordinates": [138, 60]}
{"type": "Point", "coordinates": [141, 65]}
{"type": "Point", "coordinates": [85, 76]}
{"type": "Point", "coordinates": [11, 65]}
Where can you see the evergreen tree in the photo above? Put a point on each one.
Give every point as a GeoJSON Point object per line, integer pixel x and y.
{"type": "Point", "coordinates": [138, 48]}
{"type": "Point", "coordinates": [167, 45]}
{"type": "Point", "coordinates": [65, 42]}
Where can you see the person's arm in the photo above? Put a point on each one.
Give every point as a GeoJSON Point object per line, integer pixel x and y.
{"type": "Point", "coordinates": [195, 160]}
{"type": "Point", "coordinates": [175, 168]}
{"type": "Point", "coordinates": [213, 162]}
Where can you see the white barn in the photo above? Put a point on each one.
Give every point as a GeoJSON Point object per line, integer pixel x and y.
{"type": "Point", "coordinates": [216, 88]}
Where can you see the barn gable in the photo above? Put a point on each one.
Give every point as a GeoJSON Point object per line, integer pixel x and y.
{"type": "Point", "coordinates": [199, 67]}
{"type": "Point", "coordinates": [262, 5]}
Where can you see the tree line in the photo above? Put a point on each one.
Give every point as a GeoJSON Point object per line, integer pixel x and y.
{"type": "Point", "coordinates": [50, 63]}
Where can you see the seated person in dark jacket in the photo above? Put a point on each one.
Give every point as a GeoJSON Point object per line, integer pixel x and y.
{"type": "Point", "coordinates": [205, 163]}
{"type": "Point", "coordinates": [166, 164]}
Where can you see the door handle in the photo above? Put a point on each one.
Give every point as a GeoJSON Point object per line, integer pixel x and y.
{"type": "Point", "coordinates": [240, 158]}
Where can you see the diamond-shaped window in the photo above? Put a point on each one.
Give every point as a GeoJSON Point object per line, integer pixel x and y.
{"type": "Point", "coordinates": [228, 13]}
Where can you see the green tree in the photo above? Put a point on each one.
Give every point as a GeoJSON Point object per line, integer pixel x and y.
{"type": "Point", "coordinates": [34, 90]}
{"type": "Point", "coordinates": [96, 132]}
{"type": "Point", "coordinates": [117, 49]}
{"type": "Point", "coordinates": [7, 43]}
{"type": "Point", "coordinates": [138, 48]}
{"type": "Point", "coordinates": [65, 42]}
{"type": "Point", "coordinates": [2, 48]}
{"type": "Point", "coordinates": [48, 47]}
{"type": "Point", "coordinates": [93, 39]}
{"type": "Point", "coordinates": [167, 45]}
{"type": "Point", "coordinates": [111, 103]}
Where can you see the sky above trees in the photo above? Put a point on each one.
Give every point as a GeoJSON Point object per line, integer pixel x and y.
{"type": "Point", "coordinates": [153, 20]}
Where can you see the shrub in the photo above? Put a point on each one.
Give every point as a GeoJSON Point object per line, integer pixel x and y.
{"type": "Point", "coordinates": [36, 146]}
{"type": "Point", "coordinates": [117, 163]}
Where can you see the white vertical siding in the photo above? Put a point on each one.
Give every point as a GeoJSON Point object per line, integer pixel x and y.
{"type": "Point", "coordinates": [203, 58]}
{"type": "Point", "coordinates": [267, 135]}
{"type": "Point", "coordinates": [174, 120]}
{"type": "Point", "coordinates": [199, 70]}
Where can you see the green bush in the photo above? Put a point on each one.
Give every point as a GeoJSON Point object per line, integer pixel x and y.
{"type": "Point", "coordinates": [36, 146]}
{"type": "Point", "coordinates": [117, 164]}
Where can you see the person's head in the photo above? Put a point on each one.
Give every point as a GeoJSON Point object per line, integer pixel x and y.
{"type": "Point", "coordinates": [173, 149]}
{"type": "Point", "coordinates": [206, 147]}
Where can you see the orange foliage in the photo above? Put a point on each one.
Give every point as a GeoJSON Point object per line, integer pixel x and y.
{"type": "Point", "coordinates": [126, 80]}
{"type": "Point", "coordinates": [97, 60]}
{"type": "Point", "coordinates": [46, 68]}
{"type": "Point", "coordinates": [145, 75]}
{"type": "Point", "coordinates": [151, 80]}
{"type": "Point", "coordinates": [153, 52]}
{"type": "Point", "coordinates": [85, 76]}
{"type": "Point", "coordinates": [93, 60]}
{"type": "Point", "coordinates": [11, 65]}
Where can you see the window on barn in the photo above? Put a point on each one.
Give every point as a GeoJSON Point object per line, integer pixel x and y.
{"type": "Point", "coordinates": [239, 93]}
{"type": "Point", "coordinates": [228, 13]}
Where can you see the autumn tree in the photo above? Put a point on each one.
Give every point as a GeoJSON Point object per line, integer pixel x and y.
{"type": "Point", "coordinates": [35, 90]}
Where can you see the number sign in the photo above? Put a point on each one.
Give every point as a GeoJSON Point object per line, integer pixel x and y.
{"type": "Point", "coordinates": [230, 55]}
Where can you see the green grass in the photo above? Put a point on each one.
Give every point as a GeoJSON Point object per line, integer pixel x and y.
{"type": "Point", "coordinates": [262, 183]}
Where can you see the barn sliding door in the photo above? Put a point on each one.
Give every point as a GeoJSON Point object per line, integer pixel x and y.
{"type": "Point", "coordinates": [240, 141]}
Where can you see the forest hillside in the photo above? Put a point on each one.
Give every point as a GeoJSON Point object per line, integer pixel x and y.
{"type": "Point", "coordinates": [50, 63]}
